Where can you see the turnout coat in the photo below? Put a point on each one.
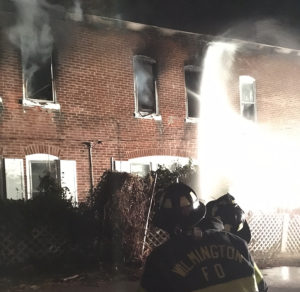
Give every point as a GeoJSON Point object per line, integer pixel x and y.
{"type": "Point", "coordinates": [212, 261]}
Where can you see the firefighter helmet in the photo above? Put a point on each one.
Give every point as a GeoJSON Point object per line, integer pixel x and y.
{"type": "Point", "coordinates": [231, 214]}
{"type": "Point", "coordinates": [179, 209]}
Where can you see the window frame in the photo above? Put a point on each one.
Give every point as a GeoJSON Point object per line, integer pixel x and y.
{"type": "Point", "coordinates": [194, 68]}
{"type": "Point", "coordinates": [49, 104]}
{"type": "Point", "coordinates": [41, 157]}
{"type": "Point", "coordinates": [246, 79]}
{"type": "Point", "coordinates": [137, 114]}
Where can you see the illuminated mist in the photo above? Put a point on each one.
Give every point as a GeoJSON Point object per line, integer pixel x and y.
{"type": "Point", "coordinates": [259, 167]}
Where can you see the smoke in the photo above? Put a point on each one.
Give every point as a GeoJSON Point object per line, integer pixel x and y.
{"type": "Point", "coordinates": [144, 84]}
{"type": "Point", "coordinates": [258, 166]}
{"type": "Point", "coordinates": [266, 31]}
{"type": "Point", "coordinates": [32, 34]}
{"type": "Point", "coordinates": [77, 13]}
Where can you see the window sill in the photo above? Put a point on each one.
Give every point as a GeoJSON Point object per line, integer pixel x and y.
{"type": "Point", "coordinates": [191, 120]}
{"type": "Point", "coordinates": [148, 117]}
{"type": "Point", "coordinates": [44, 104]}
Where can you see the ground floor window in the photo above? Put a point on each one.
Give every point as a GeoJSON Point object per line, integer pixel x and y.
{"type": "Point", "coordinates": [141, 166]}
{"type": "Point", "coordinates": [44, 168]}
{"type": "Point", "coordinates": [40, 169]}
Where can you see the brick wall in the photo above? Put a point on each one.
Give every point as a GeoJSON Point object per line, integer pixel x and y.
{"type": "Point", "coordinates": [95, 89]}
{"type": "Point", "coordinates": [277, 88]}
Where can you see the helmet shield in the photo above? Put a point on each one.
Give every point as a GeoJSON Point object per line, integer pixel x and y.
{"type": "Point", "coordinates": [179, 209]}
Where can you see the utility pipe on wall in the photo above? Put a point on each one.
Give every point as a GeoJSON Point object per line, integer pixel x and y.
{"type": "Point", "coordinates": [90, 144]}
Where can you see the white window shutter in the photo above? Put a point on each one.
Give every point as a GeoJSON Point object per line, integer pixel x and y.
{"type": "Point", "coordinates": [14, 178]}
{"type": "Point", "coordinates": [122, 166]}
{"type": "Point", "coordinates": [68, 178]}
{"type": "Point", "coordinates": [1, 178]}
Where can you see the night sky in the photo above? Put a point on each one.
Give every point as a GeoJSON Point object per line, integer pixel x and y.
{"type": "Point", "coordinates": [202, 16]}
{"type": "Point", "coordinates": [214, 17]}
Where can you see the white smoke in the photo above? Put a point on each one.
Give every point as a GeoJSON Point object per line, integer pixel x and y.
{"type": "Point", "coordinates": [258, 166]}
{"type": "Point", "coordinates": [76, 11]}
{"type": "Point", "coordinates": [32, 34]}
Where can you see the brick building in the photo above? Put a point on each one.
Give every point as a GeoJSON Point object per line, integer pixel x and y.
{"type": "Point", "coordinates": [112, 94]}
{"type": "Point", "coordinates": [94, 95]}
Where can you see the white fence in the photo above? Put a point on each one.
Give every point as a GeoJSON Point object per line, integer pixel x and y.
{"type": "Point", "coordinates": [274, 235]}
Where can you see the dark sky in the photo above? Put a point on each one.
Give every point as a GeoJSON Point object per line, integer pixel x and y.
{"type": "Point", "coordinates": [273, 22]}
{"type": "Point", "coordinates": [202, 16]}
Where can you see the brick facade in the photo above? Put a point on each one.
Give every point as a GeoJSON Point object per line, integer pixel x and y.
{"type": "Point", "coordinates": [93, 72]}
{"type": "Point", "coordinates": [94, 82]}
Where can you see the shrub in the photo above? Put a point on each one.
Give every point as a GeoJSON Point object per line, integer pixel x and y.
{"type": "Point", "coordinates": [121, 202]}
{"type": "Point", "coordinates": [109, 227]}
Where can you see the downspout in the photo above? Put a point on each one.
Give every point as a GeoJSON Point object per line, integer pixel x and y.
{"type": "Point", "coordinates": [90, 146]}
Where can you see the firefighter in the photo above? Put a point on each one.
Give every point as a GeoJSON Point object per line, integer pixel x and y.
{"type": "Point", "coordinates": [234, 220]}
{"type": "Point", "coordinates": [193, 259]}
{"type": "Point", "coordinates": [230, 213]}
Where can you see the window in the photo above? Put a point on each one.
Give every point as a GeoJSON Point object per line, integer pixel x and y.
{"type": "Point", "coordinates": [145, 86]}
{"type": "Point", "coordinates": [40, 166]}
{"type": "Point", "coordinates": [38, 77]}
{"type": "Point", "coordinates": [39, 84]}
{"type": "Point", "coordinates": [192, 76]}
{"type": "Point", "coordinates": [248, 97]}
{"type": "Point", "coordinates": [46, 166]}
{"type": "Point", "coordinates": [139, 169]}
{"type": "Point", "coordinates": [143, 165]}
{"type": "Point", "coordinates": [39, 171]}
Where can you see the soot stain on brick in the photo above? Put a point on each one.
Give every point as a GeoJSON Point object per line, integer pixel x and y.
{"type": "Point", "coordinates": [60, 119]}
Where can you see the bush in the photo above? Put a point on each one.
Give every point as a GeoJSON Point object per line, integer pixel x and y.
{"type": "Point", "coordinates": [121, 203]}
{"type": "Point", "coordinates": [46, 230]}
{"type": "Point", "coordinates": [109, 227]}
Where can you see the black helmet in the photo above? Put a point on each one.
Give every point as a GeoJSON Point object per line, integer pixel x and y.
{"type": "Point", "coordinates": [231, 214]}
{"type": "Point", "coordinates": [179, 209]}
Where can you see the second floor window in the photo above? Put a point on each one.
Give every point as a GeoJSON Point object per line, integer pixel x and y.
{"type": "Point", "coordinates": [145, 86]}
{"type": "Point", "coordinates": [38, 80]}
{"type": "Point", "coordinates": [248, 97]}
{"type": "Point", "coordinates": [192, 75]}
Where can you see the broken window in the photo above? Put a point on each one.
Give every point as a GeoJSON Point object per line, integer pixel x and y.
{"type": "Point", "coordinates": [192, 76]}
{"type": "Point", "coordinates": [145, 86]}
{"type": "Point", "coordinates": [38, 77]}
{"type": "Point", "coordinates": [248, 97]}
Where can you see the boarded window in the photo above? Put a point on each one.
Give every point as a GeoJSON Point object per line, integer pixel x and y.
{"type": "Point", "coordinates": [192, 76]}
{"type": "Point", "coordinates": [39, 80]}
{"type": "Point", "coordinates": [248, 97]}
{"type": "Point", "coordinates": [145, 89]}
{"type": "Point", "coordinates": [14, 178]}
